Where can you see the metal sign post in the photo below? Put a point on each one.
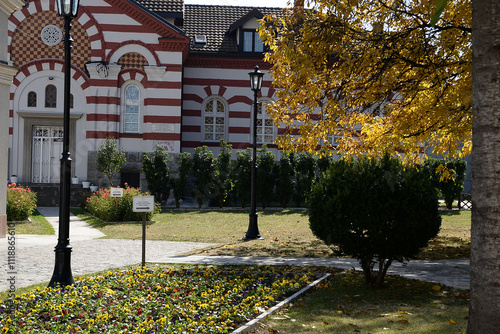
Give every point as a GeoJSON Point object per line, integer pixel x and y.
{"type": "Point", "coordinates": [116, 192]}
{"type": "Point", "coordinates": [143, 204]}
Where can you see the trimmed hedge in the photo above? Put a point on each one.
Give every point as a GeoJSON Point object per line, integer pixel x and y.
{"type": "Point", "coordinates": [376, 211]}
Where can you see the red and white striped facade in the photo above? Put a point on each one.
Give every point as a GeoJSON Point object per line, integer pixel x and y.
{"type": "Point", "coordinates": [117, 44]}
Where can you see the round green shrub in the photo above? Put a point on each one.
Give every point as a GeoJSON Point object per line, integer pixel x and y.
{"type": "Point", "coordinates": [110, 209]}
{"type": "Point", "coordinates": [21, 202]}
{"type": "Point", "coordinates": [376, 211]}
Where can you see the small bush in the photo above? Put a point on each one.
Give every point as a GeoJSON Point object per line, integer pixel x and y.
{"type": "Point", "coordinates": [305, 171]}
{"type": "Point", "coordinates": [223, 173]}
{"type": "Point", "coordinates": [157, 173]}
{"type": "Point", "coordinates": [285, 185]}
{"type": "Point", "coordinates": [107, 208]}
{"type": "Point", "coordinates": [242, 176]}
{"type": "Point", "coordinates": [21, 202]}
{"type": "Point", "coordinates": [376, 211]}
{"type": "Point", "coordinates": [110, 158]}
{"type": "Point", "coordinates": [448, 177]}
{"type": "Point", "coordinates": [179, 182]}
{"type": "Point", "coordinates": [266, 177]}
{"type": "Point", "coordinates": [203, 171]}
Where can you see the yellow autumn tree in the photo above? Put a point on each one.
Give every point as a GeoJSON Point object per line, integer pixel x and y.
{"type": "Point", "coordinates": [372, 76]}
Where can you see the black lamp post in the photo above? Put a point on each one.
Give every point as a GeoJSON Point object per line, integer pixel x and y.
{"type": "Point", "coordinates": [62, 275]}
{"type": "Point", "coordinates": [256, 78]}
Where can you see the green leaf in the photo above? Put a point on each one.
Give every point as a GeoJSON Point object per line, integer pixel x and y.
{"type": "Point", "coordinates": [440, 6]}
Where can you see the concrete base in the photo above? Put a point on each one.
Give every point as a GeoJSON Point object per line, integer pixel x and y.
{"type": "Point", "coordinates": [3, 225]}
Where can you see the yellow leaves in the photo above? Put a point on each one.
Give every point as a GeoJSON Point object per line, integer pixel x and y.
{"type": "Point", "coordinates": [446, 173]}
{"type": "Point", "coordinates": [436, 288]}
{"type": "Point", "coordinates": [398, 90]}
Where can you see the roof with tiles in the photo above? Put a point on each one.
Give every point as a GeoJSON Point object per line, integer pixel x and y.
{"type": "Point", "coordinates": [163, 6]}
{"type": "Point", "coordinates": [215, 22]}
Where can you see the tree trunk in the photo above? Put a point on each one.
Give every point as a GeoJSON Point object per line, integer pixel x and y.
{"type": "Point", "coordinates": [484, 308]}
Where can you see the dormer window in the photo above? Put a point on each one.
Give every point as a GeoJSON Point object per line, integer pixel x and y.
{"type": "Point", "coordinates": [252, 41]}
{"type": "Point", "coordinates": [200, 40]}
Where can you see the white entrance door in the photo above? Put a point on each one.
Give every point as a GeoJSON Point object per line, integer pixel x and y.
{"type": "Point", "coordinates": [46, 154]}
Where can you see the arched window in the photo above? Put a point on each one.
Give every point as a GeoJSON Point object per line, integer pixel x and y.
{"type": "Point", "coordinates": [32, 99]}
{"type": "Point", "coordinates": [132, 109]}
{"type": "Point", "coordinates": [214, 118]}
{"type": "Point", "coordinates": [50, 96]}
{"type": "Point", "coordinates": [265, 125]}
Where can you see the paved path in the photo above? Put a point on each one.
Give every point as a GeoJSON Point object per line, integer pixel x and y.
{"type": "Point", "coordinates": [34, 262]}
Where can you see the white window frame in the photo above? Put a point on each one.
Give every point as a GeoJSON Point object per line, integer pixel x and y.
{"type": "Point", "coordinates": [263, 118]}
{"type": "Point", "coordinates": [127, 102]}
{"type": "Point", "coordinates": [255, 38]}
{"type": "Point", "coordinates": [209, 129]}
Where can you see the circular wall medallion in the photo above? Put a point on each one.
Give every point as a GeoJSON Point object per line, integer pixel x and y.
{"type": "Point", "coordinates": [51, 35]}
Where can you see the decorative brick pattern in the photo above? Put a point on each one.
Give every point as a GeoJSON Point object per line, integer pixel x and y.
{"type": "Point", "coordinates": [27, 44]}
{"type": "Point", "coordinates": [133, 60]}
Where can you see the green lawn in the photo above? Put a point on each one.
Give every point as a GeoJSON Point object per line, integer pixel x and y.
{"type": "Point", "coordinates": [285, 233]}
{"type": "Point", "coordinates": [339, 304]}
{"type": "Point", "coordinates": [38, 225]}
{"type": "Point", "coordinates": [343, 304]}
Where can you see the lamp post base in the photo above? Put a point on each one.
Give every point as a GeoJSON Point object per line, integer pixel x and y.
{"type": "Point", "coordinates": [253, 229]}
{"type": "Point", "coordinates": [62, 271]}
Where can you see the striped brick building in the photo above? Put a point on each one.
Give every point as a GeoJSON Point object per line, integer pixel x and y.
{"type": "Point", "coordinates": [146, 72]}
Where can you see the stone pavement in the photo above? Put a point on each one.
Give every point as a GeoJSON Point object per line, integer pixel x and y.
{"type": "Point", "coordinates": [34, 257]}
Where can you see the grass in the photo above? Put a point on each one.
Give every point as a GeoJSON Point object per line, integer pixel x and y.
{"type": "Point", "coordinates": [285, 233]}
{"type": "Point", "coordinates": [38, 225]}
{"type": "Point", "coordinates": [339, 304]}
{"type": "Point", "coordinates": [345, 305]}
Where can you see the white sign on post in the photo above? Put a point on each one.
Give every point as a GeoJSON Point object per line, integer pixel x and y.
{"type": "Point", "coordinates": [116, 192]}
{"type": "Point", "coordinates": [143, 204]}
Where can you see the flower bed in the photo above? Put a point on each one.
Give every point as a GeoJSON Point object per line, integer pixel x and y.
{"type": "Point", "coordinates": [150, 300]}
{"type": "Point", "coordinates": [21, 202]}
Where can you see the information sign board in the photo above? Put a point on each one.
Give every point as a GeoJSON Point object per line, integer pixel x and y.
{"type": "Point", "coordinates": [116, 192]}
{"type": "Point", "coordinates": [143, 204]}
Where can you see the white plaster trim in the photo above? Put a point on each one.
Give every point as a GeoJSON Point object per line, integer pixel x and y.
{"type": "Point", "coordinates": [48, 114]}
{"type": "Point", "coordinates": [7, 73]}
{"type": "Point", "coordinates": [8, 6]}
{"type": "Point", "coordinates": [136, 48]}
{"type": "Point", "coordinates": [155, 72]}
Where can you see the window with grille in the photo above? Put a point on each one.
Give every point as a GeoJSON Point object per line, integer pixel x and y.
{"type": "Point", "coordinates": [32, 99]}
{"type": "Point", "coordinates": [214, 116]}
{"type": "Point", "coordinates": [132, 109]}
{"type": "Point", "coordinates": [265, 125]}
{"type": "Point", "coordinates": [50, 96]}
